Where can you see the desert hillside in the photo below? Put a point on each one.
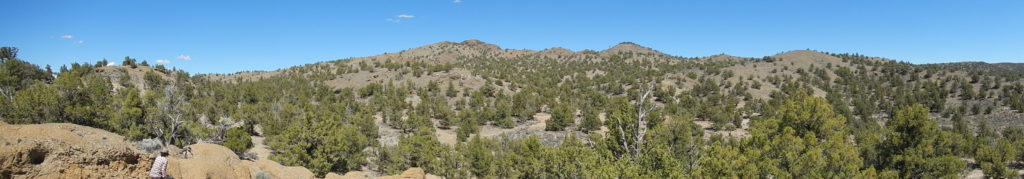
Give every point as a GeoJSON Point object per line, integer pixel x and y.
{"type": "Point", "coordinates": [470, 109]}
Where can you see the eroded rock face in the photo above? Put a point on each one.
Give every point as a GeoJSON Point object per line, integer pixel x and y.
{"type": "Point", "coordinates": [73, 151]}
{"type": "Point", "coordinates": [67, 151]}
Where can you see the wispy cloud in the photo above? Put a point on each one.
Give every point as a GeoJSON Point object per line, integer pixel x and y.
{"type": "Point", "coordinates": [184, 57]}
{"type": "Point", "coordinates": [162, 61]}
{"type": "Point", "coordinates": [70, 37]}
{"type": "Point", "coordinates": [457, 1]}
{"type": "Point", "coordinates": [398, 18]}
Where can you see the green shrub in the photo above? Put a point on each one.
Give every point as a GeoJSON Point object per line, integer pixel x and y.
{"type": "Point", "coordinates": [238, 140]}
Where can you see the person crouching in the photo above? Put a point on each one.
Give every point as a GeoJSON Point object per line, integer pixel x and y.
{"type": "Point", "coordinates": [159, 170]}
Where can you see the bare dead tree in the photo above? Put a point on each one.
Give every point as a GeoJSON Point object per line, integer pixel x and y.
{"type": "Point", "coordinates": [633, 142]}
{"type": "Point", "coordinates": [222, 126]}
{"type": "Point", "coordinates": [168, 129]}
{"type": "Point", "coordinates": [643, 107]}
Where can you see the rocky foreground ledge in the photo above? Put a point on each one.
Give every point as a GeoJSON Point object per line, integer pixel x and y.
{"type": "Point", "coordinates": [74, 151]}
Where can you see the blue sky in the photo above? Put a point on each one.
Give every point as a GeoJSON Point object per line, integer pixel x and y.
{"type": "Point", "coordinates": [231, 36]}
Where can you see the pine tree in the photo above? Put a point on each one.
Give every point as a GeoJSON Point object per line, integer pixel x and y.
{"type": "Point", "coordinates": [421, 148]}
{"type": "Point", "coordinates": [917, 148]}
{"type": "Point", "coordinates": [129, 117]}
{"type": "Point", "coordinates": [128, 61]}
{"type": "Point", "coordinates": [480, 157]}
{"type": "Point", "coordinates": [451, 92]}
{"type": "Point", "coordinates": [561, 117]}
{"type": "Point", "coordinates": [467, 125]}
{"type": "Point", "coordinates": [809, 138]}
{"type": "Point", "coordinates": [38, 104]}
{"type": "Point", "coordinates": [995, 160]}
{"type": "Point", "coordinates": [238, 140]}
{"type": "Point", "coordinates": [590, 121]}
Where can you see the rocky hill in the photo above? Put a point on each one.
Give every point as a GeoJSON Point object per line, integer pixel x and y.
{"type": "Point", "coordinates": [469, 65]}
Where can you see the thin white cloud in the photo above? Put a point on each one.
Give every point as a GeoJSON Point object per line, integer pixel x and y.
{"type": "Point", "coordinates": [162, 61]}
{"type": "Point", "coordinates": [67, 36]}
{"type": "Point", "coordinates": [184, 57]}
{"type": "Point", "coordinates": [398, 18]}
{"type": "Point", "coordinates": [111, 64]}
{"type": "Point", "coordinates": [457, 1]}
{"type": "Point", "coordinates": [79, 42]}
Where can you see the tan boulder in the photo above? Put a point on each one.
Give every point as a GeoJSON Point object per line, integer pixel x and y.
{"type": "Point", "coordinates": [411, 173]}
{"type": "Point", "coordinates": [276, 170]}
{"type": "Point", "coordinates": [215, 161]}
{"type": "Point", "coordinates": [208, 161]}
{"type": "Point", "coordinates": [349, 175]}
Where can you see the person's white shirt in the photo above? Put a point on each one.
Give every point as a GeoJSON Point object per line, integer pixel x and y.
{"type": "Point", "coordinates": [159, 167]}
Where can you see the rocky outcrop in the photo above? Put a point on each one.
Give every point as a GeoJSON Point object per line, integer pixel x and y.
{"type": "Point", "coordinates": [67, 151]}
{"type": "Point", "coordinates": [74, 151]}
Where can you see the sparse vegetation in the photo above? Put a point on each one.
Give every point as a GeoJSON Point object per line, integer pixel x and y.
{"type": "Point", "coordinates": [815, 115]}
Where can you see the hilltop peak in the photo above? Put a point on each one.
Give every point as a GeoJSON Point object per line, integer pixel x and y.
{"type": "Point", "coordinates": [808, 58]}
{"type": "Point", "coordinates": [557, 49]}
{"type": "Point", "coordinates": [803, 53]}
{"type": "Point", "coordinates": [806, 55]}
{"type": "Point", "coordinates": [474, 42]}
{"type": "Point", "coordinates": [449, 50]}
{"type": "Point", "coordinates": [630, 47]}
{"type": "Point", "coordinates": [477, 44]}
{"type": "Point", "coordinates": [723, 56]}
{"type": "Point", "coordinates": [466, 44]}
